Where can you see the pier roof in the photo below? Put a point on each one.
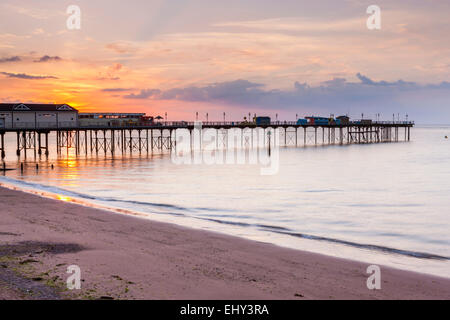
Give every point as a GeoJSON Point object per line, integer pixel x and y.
{"type": "Point", "coordinates": [35, 107]}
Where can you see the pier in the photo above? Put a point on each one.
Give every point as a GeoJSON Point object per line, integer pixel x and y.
{"type": "Point", "coordinates": [131, 138]}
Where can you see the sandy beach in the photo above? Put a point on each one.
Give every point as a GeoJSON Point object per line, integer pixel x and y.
{"type": "Point", "coordinates": [127, 257]}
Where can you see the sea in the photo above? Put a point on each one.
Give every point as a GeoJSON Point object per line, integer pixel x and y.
{"type": "Point", "coordinates": [381, 203]}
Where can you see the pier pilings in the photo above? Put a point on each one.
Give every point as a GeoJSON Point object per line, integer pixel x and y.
{"type": "Point", "coordinates": [129, 140]}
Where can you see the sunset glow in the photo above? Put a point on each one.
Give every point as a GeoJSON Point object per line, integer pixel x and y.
{"type": "Point", "coordinates": [183, 57]}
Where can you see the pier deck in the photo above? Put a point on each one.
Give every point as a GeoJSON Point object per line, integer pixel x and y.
{"type": "Point", "coordinates": [146, 137]}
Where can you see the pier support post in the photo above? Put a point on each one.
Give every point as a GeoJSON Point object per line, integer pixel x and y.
{"type": "Point", "coordinates": [46, 144]}
{"type": "Point", "coordinates": [90, 140]}
{"type": "Point", "coordinates": [34, 143]}
{"type": "Point", "coordinates": [217, 138]}
{"type": "Point", "coordinates": [131, 141]}
{"type": "Point", "coordinates": [140, 143]}
{"type": "Point", "coordinates": [315, 136]}
{"type": "Point", "coordinates": [151, 139]}
{"type": "Point", "coordinates": [296, 137]}
{"type": "Point", "coordinates": [2, 139]}
{"type": "Point", "coordinates": [146, 139]}
{"type": "Point", "coordinates": [96, 141]}
{"type": "Point", "coordinates": [105, 142]}
{"type": "Point", "coordinates": [18, 144]}
{"type": "Point", "coordinates": [57, 142]}
{"type": "Point", "coordinates": [77, 142]}
{"type": "Point", "coordinates": [304, 136]}
{"type": "Point", "coordinates": [190, 139]}
{"type": "Point", "coordinates": [122, 141]}
{"type": "Point", "coordinates": [24, 143]}
{"type": "Point", "coordinates": [39, 143]}
{"type": "Point", "coordinates": [113, 141]}
{"type": "Point", "coordinates": [85, 142]}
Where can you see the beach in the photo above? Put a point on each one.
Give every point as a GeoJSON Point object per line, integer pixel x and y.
{"type": "Point", "coordinates": [128, 257]}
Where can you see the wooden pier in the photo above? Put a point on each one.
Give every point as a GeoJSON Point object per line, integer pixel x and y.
{"type": "Point", "coordinates": [162, 136]}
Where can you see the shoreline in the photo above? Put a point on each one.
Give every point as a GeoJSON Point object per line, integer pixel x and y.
{"type": "Point", "coordinates": [313, 248]}
{"type": "Point", "coordinates": [123, 257]}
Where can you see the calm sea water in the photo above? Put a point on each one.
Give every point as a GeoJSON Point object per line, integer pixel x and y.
{"type": "Point", "coordinates": [378, 203]}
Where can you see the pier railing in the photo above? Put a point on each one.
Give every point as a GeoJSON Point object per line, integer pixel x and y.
{"type": "Point", "coordinates": [183, 124]}
{"type": "Point", "coordinates": [230, 123]}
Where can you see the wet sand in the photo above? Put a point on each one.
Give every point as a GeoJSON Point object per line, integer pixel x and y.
{"type": "Point", "coordinates": [127, 257]}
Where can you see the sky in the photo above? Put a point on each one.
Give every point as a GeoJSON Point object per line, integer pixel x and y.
{"type": "Point", "coordinates": [277, 58]}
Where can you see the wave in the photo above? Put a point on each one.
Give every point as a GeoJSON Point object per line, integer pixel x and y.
{"type": "Point", "coordinates": [184, 211]}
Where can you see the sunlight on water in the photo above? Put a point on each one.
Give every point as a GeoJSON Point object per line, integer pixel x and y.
{"type": "Point", "coordinates": [379, 203]}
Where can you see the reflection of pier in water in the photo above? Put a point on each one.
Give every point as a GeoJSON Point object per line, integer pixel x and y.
{"type": "Point", "coordinates": [162, 136]}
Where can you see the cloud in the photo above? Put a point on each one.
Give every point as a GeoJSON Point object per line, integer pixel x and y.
{"type": "Point", "coordinates": [35, 13]}
{"type": "Point", "coordinates": [368, 81]}
{"type": "Point", "coordinates": [115, 90]}
{"type": "Point", "coordinates": [110, 72]}
{"type": "Point", "coordinates": [26, 76]}
{"type": "Point", "coordinates": [299, 24]}
{"type": "Point", "coordinates": [144, 94]}
{"type": "Point", "coordinates": [337, 95]}
{"type": "Point", "coordinates": [10, 59]}
{"type": "Point", "coordinates": [244, 92]}
{"type": "Point", "coordinates": [38, 31]}
{"type": "Point", "coordinates": [238, 89]}
{"type": "Point", "coordinates": [48, 59]}
{"type": "Point", "coordinates": [120, 47]}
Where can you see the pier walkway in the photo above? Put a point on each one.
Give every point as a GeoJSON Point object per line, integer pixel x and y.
{"type": "Point", "coordinates": [162, 135]}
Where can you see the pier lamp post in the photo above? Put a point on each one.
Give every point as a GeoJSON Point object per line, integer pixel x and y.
{"type": "Point", "coordinates": [196, 116]}
{"type": "Point", "coordinates": [296, 117]}
{"type": "Point", "coordinates": [224, 118]}
{"type": "Point", "coordinates": [393, 117]}
{"type": "Point", "coordinates": [207, 117]}
{"type": "Point", "coordinates": [276, 117]}
{"type": "Point", "coordinates": [165, 116]}
{"type": "Point", "coordinates": [406, 117]}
